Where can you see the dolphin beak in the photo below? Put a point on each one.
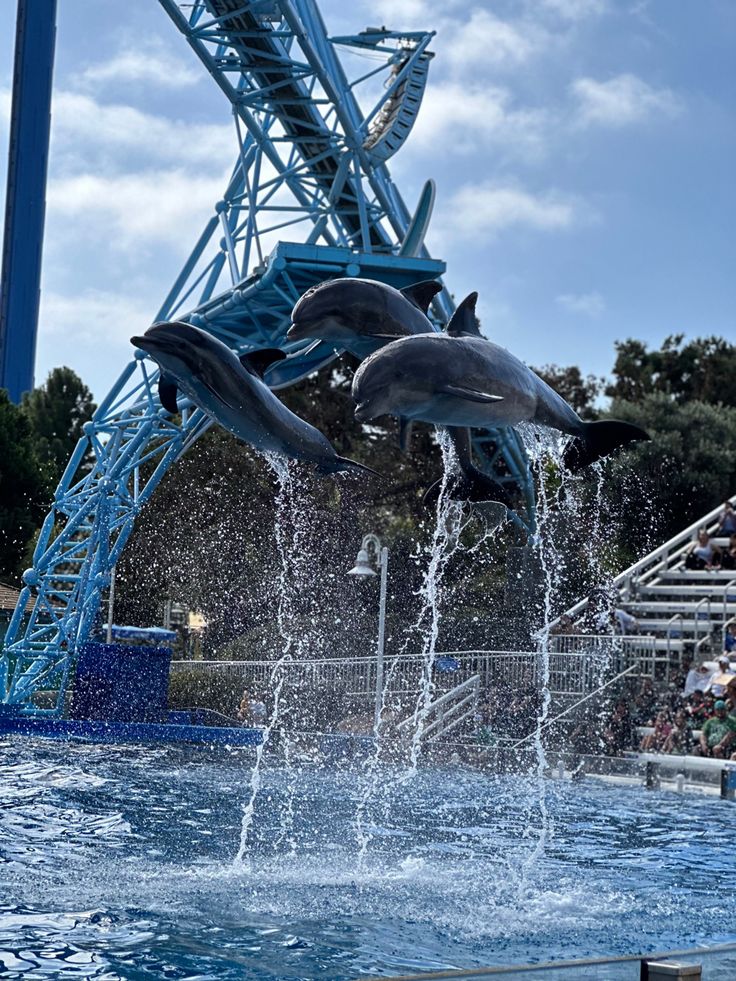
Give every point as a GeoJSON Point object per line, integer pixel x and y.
{"type": "Point", "coordinates": [297, 331]}
{"type": "Point", "coordinates": [143, 343]}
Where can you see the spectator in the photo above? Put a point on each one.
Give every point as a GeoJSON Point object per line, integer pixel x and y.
{"type": "Point", "coordinates": [703, 554]}
{"type": "Point", "coordinates": [243, 712]}
{"type": "Point", "coordinates": [565, 625]}
{"type": "Point", "coordinates": [727, 520]}
{"type": "Point", "coordinates": [680, 737]}
{"type": "Point", "coordinates": [728, 557]}
{"type": "Point", "coordinates": [645, 702]}
{"type": "Point", "coordinates": [717, 733]}
{"type": "Point", "coordinates": [619, 733]}
{"type": "Point", "coordinates": [697, 710]}
{"type": "Point", "coordinates": [698, 679]}
{"type": "Point", "coordinates": [729, 639]}
{"type": "Point", "coordinates": [722, 676]}
{"type": "Point", "coordinates": [656, 741]}
{"type": "Point", "coordinates": [625, 623]}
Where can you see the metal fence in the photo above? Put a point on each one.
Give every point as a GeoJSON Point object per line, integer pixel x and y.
{"type": "Point", "coordinates": [572, 666]}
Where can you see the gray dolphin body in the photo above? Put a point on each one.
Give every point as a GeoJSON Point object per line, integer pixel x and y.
{"type": "Point", "coordinates": [361, 315]}
{"type": "Point", "coordinates": [231, 390]}
{"type": "Point", "coordinates": [462, 379]}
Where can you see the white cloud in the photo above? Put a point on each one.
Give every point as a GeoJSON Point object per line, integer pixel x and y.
{"type": "Point", "coordinates": [574, 10]}
{"type": "Point", "coordinates": [467, 118]}
{"type": "Point", "coordinates": [620, 101]}
{"type": "Point", "coordinates": [76, 330]}
{"type": "Point", "coordinates": [83, 127]}
{"type": "Point", "coordinates": [152, 62]}
{"type": "Point", "coordinates": [482, 210]}
{"type": "Point", "coordinates": [129, 211]}
{"type": "Point", "coordinates": [586, 304]}
{"type": "Point", "coordinates": [487, 40]}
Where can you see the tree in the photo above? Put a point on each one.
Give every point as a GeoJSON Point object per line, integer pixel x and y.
{"type": "Point", "coordinates": [688, 468]}
{"type": "Point", "coordinates": [580, 392]}
{"type": "Point", "coordinates": [24, 486]}
{"type": "Point", "coordinates": [57, 412]}
{"type": "Point", "coordinates": [702, 370]}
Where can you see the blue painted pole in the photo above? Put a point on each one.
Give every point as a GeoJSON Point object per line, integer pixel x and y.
{"type": "Point", "coordinates": [25, 205]}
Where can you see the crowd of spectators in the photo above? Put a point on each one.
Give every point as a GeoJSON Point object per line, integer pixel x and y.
{"type": "Point", "coordinates": [697, 717]}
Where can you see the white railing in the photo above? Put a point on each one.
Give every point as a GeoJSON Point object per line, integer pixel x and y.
{"type": "Point", "coordinates": [657, 560]}
{"type": "Point", "coordinates": [574, 666]}
{"type": "Point", "coordinates": [448, 711]}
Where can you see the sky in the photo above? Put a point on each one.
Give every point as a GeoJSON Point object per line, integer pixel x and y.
{"type": "Point", "coordinates": [583, 151]}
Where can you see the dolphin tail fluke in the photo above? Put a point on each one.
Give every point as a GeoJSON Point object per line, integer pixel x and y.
{"type": "Point", "coordinates": [598, 439]}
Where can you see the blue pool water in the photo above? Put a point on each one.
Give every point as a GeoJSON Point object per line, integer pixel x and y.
{"type": "Point", "coordinates": [117, 863]}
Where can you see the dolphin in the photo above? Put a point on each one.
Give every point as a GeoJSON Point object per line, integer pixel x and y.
{"type": "Point", "coordinates": [231, 390]}
{"type": "Point", "coordinates": [459, 378]}
{"type": "Point", "coordinates": [361, 315]}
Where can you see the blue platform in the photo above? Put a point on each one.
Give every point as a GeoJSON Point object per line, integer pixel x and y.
{"type": "Point", "coordinates": [84, 730]}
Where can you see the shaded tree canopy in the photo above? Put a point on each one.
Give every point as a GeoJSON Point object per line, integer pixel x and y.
{"type": "Point", "coordinates": [689, 466]}
{"type": "Point", "coordinates": [56, 412]}
{"type": "Point", "coordinates": [24, 486]}
{"type": "Point", "coordinates": [704, 369]}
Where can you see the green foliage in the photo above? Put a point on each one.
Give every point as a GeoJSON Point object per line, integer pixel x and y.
{"type": "Point", "coordinates": [702, 370]}
{"type": "Point", "coordinates": [24, 487]}
{"type": "Point", "coordinates": [689, 466]}
{"type": "Point", "coordinates": [56, 412]}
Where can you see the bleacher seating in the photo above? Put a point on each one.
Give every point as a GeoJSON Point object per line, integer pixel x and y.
{"type": "Point", "coordinates": [681, 613]}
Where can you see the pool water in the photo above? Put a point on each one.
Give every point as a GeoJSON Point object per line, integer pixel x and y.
{"type": "Point", "coordinates": [118, 863]}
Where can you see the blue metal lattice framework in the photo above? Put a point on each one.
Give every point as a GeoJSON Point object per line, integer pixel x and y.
{"type": "Point", "coordinates": [309, 160]}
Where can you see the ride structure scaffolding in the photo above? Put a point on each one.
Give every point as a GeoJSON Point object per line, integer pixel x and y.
{"type": "Point", "coordinates": [310, 160]}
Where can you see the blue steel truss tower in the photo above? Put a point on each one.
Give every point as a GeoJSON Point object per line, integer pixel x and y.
{"type": "Point", "coordinates": [311, 163]}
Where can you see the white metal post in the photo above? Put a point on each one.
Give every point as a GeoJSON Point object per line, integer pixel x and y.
{"type": "Point", "coordinates": [381, 635]}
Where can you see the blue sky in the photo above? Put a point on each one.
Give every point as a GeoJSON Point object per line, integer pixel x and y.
{"type": "Point", "coordinates": [583, 151]}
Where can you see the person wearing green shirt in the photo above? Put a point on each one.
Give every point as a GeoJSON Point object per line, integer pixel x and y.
{"type": "Point", "coordinates": [718, 732]}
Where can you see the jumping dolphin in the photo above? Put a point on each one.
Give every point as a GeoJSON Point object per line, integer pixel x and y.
{"type": "Point", "coordinates": [231, 390]}
{"type": "Point", "coordinates": [460, 378]}
{"type": "Point", "coordinates": [361, 315]}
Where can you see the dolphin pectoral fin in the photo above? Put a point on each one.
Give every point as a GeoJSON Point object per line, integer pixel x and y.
{"type": "Point", "coordinates": [422, 294]}
{"type": "Point", "coordinates": [341, 463]}
{"type": "Point", "coordinates": [167, 392]}
{"type": "Point", "coordinates": [464, 321]}
{"type": "Point", "coordinates": [405, 428]}
{"type": "Point", "coordinates": [471, 394]}
{"type": "Point", "coordinates": [258, 362]}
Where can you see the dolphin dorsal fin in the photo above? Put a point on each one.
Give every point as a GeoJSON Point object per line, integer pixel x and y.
{"type": "Point", "coordinates": [421, 294]}
{"type": "Point", "coordinates": [464, 321]}
{"type": "Point", "coordinates": [167, 392]}
{"type": "Point", "coordinates": [258, 362]}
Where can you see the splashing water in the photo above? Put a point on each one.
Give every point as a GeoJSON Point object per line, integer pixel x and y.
{"type": "Point", "coordinates": [288, 515]}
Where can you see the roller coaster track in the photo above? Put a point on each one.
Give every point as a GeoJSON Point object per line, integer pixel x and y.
{"type": "Point", "coordinates": [310, 161]}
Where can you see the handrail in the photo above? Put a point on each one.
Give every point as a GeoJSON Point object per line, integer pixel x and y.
{"type": "Point", "coordinates": [724, 630]}
{"type": "Point", "coordinates": [670, 622]}
{"type": "Point", "coordinates": [696, 613]}
{"type": "Point", "coordinates": [658, 553]}
{"type": "Point", "coordinates": [726, 588]}
{"type": "Point", "coordinates": [473, 682]}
